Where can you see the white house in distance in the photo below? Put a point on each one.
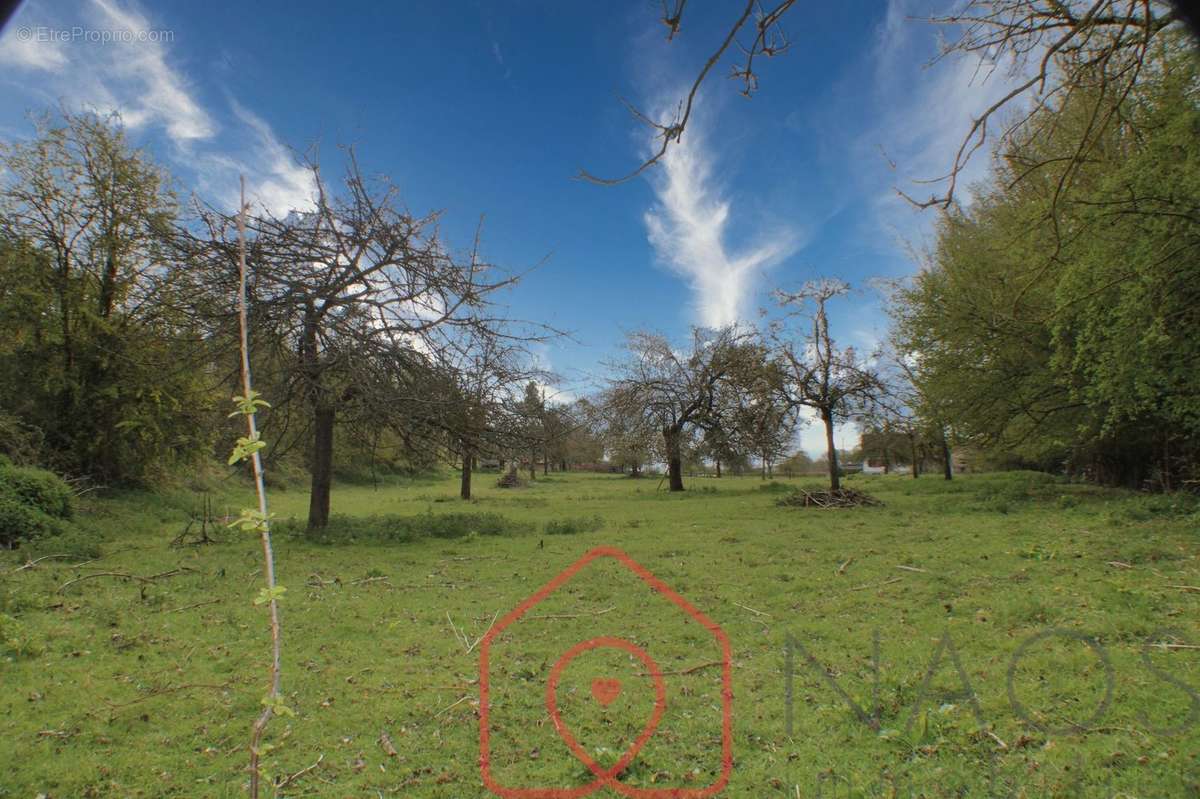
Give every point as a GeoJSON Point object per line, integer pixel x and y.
{"type": "Point", "coordinates": [873, 466]}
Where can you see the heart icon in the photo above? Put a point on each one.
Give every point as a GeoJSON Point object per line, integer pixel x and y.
{"type": "Point", "coordinates": [606, 691]}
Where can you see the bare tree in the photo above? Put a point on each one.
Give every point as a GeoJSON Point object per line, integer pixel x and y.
{"type": "Point", "coordinates": [902, 405]}
{"type": "Point", "coordinates": [631, 440]}
{"type": "Point", "coordinates": [675, 392]}
{"type": "Point", "coordinates": [483, 366]}
{"type": "Point", "coordinates": [832, 381]}
{"type": "Point", "coordinates": [351, 288]}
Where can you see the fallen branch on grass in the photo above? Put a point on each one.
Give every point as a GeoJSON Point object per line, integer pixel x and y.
{"type": "Point", "coordinates": [29, 564]}
{"type": "Point", "coordinates": [752, 610]}
{"type": "Point", "coordinates": [367, 580]}
{"type": "Point", "coordinates": [54, 734]}
{"type": "Point", "coordinates": [451, 707]}
{"type": "Point", "coordinates": [842, 568]}
{"type": "Point", "coordinates": [125, 576]}
{"type": "Point", "coordinates": [169, 689]}
{"type": "Point", "coordinates": [690, 670]}
{"type": "Point", "coordinates": [462, 637]}
{"type": "Point", "coordinates": [495, 616]}
{"type": "Point", "coordinates": [196, 605]}
{"type": "Point", "coordinates": [879, 585]}
{"type": "Point", "coordinates": [912, 569]}
{"type": "Point", "coordinates": [1116, 564]}
{"type": "Point", "coordinates": [573, 615]}
{"type": "Point", "coordinates": [1190, 589]}
{"type": "Point", "coordinates": [289, 780]}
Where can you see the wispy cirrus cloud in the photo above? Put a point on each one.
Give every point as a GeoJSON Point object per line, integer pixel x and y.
{"type": "Point", "coordinates": [277, 180]}
{"type": "Point", "coordinates": [689, 229]}
{"type": "Point", "coordinates": [19, 49]}
{"type": "Point", "coordinates": [923, 111]}
{"type": "Point", "coordinates": [160, 95]}
{"type": "Point", "coordinates": [136, 73]}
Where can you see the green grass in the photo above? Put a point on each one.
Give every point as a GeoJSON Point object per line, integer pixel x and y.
{"type": "Point", "coordinates": [117, 688]}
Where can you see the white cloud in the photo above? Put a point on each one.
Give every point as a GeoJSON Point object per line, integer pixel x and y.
{"type": "Point", "coordinates": [19, 48]}
{"type": "Point", "coordinates": [688, 229]}
{"type": "Point", "coordinates": [924, 111]}
{"type": "Point", "coordinates": [280, 183]}
{"type": "Point", "coordinates": [140, 78]}
{"type": "Point", "coordinates": [162, 95]}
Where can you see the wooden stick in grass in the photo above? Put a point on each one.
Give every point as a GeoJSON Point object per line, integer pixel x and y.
{"type": "Point", "coordinates": [264, 523]}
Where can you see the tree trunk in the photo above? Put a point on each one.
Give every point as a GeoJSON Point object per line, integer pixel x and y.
{"type": "Point", "coordinates": [887, 461]}
{"type": "Point", "coordinates": [322, 467]}
{"type": "Point", "coordinates": [947, 463]}
{"type": "Point", "coordinates": [532, 465]}
{"type": "Point", "coordinates": [718, 460]}
{"type": "Point", "coordinates": [674, 458]}
{"type": "Point", "coordinates": [545, 464]}
{"type": "Point", "coordinates": [467, 463]}
{"type": "Point", "coordinates": [916, 467]}
{"type": "Point", "coordinates": [835, 481]}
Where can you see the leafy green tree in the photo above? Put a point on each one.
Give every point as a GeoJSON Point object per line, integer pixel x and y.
{"type": "Point", "coordinates": [96, 349]}
{"type": "Point", "coordinates": [1056, 320]}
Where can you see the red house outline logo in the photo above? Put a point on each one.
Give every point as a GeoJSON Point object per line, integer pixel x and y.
{"type": "Point", "coordinates": [607, 778]}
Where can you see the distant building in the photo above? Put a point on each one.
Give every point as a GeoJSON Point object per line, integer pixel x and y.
{"type": "Point", "coordinates": [874, 466]}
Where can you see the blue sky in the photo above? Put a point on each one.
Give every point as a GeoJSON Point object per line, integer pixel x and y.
{"type": "Point", "coordinates": [490, 109]}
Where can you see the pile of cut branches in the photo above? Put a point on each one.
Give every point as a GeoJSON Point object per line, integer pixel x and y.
{"type": "Point", "coordinates": [510, 480]}
{"type": "Point", "coordinates": [842, 498]}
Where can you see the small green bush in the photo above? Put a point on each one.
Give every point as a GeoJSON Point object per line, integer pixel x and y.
{"type": "Point", "coordinates": [16, 640]}
{"type": "Point", "coordinates": [574, 524]}
{"type": "Point", "coordinates": [20, 522]}
{"type": "Point", "coordinates": [38, 488]}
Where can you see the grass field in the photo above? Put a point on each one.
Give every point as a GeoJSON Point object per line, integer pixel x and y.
{"type": "Point", "coordinates": [116, 687]}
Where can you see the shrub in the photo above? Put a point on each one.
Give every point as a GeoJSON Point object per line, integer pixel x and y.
{"type": "Point", "coordinates": [457, 525]}
{"type": "Point", "coordinates": [574, 524]}
{"type": "Point", "coordinates": [16, 640]}
{"type": "Point", "coordinates": [20, 522]}
{"type": "Point", "coordinates": [38, 488]}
